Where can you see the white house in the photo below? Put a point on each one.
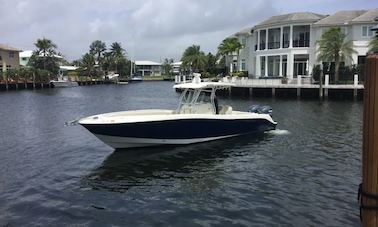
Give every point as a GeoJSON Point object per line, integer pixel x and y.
{"type": "Point", "coordinates": [176, 67]}
{"type": "Point", "coordinates": [285, 45]}
{"type": "Point", "coordinates": [26, 55]}
{"type": "Point", "coordinates": [148, 68]}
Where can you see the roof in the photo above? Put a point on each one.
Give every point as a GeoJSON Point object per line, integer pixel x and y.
{"type": "Point", "coordinates": [245, 31]}
{"type": "Point", "coordinates": [202, 85]}
{"type": "Point", "coordinates": [177, 63]}
{"type": "Point", "coordinates": [9, 48]}
{"type": "Point", "coordinates": [290, 18]}
{"type": "Point", "coordinates": [29, 53]}
{"type": "Point", "coordinates": [68, 67]}
{"type": "Point", "coordinates": [341, 17]}
{"type": "Point", "coordinates": [146, 63]}
{"type": "Point", "coordinates": [369, 16]}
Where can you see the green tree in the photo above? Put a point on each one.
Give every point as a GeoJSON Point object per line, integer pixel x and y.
{"type": "Point", "coordinates": [333, 47]}
{"type": "Point", "coordinates": [193, 58]}
{"type": "Point", "coordinates": [229, 46]}
{"type": "Point", "coordinates": [167, 66]}
{"type": "Point", "coordinates": [97, 49]}
{"type": "Point", "coordinates": [211, 64]}
{"type": "Point", "coordinates": [45, 49]}
{"type": "Point", "coordinates": [87, 64]}
{"type": "Point", "coordinates": [117, 54]}
{"type": "Point", "coordinates": [373, 45]}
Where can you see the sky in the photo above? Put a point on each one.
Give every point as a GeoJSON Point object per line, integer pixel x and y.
{"type": "Point", "coordinates": [147, 29]}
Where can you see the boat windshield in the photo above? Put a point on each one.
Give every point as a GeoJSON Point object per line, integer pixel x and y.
{"type": "Point", "coordinates": [196, 101]}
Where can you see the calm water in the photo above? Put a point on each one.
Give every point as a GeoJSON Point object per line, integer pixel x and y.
{"type": "Point", "coordinates": [57, 175]}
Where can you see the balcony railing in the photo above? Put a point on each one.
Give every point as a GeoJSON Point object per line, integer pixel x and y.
{"type": "Point", "coordinates": [273, 45]}
{"type": "Point", "coordinates": [286, 44]}
{"type": "Point", "coordinates": [262, 46]}
{"type": "Point", "coordinates": [301, 43]}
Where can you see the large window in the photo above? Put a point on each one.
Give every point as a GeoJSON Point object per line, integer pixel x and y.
{"type": "Point", "coordinates": [366, 31]}
{"type": "Point", "coordinates": [243, 65]}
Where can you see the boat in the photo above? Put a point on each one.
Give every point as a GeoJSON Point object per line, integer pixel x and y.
{"type": "Point", "coordinates": [63, 81]}
{"type": "Point", "coordinates": [197, 118]}
{"type": "Point", "coordinates": [136, 78]}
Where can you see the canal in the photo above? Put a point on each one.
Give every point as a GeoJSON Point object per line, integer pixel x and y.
{"type": "Point", "coordinates": [306, 173]}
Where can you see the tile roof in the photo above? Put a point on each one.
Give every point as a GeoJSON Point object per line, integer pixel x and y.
{"type": "Point", "coordinates": [6, 47]}
{"type": "Point", "coordinates": [341, 17]}
{"type": "Point", "coordinates": [290, 18]}
{"type": "Point", "coordinates": [369, 16]}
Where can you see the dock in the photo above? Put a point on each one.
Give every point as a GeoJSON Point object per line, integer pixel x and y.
{"type": "Point", "coordinates": [297, 87]}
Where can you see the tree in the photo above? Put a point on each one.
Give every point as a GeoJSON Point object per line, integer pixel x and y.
{"type": "Point", "coordinates": [167, 66]}
{"type": "Point", "coordinates": [87, 63]}
{"type": "Point", "coordinates": [333, 47]}
{"type": "Point", "coordinates": [45, 49]}
{"type": "Point", "coordinates": [97, 49]}
{"type": "Point", "coordinates": [194, 58]}
{"type": "Point", "coordinates": [211, 64]}
{"type": "Point", "coordinates": [373, 45]}
{"type": "Point", "coordinates": [117, 54]}
{"type": "Point", "coordinates": [229, 46]}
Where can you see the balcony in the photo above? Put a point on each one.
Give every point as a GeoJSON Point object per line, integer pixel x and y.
{"type": "Point", "coordinates": [286, 44]}
{"type": "Point", "coordinates": [301, 43]}
{"type": "Point", "coordinates": [262, 46]}
{"type": "Point", "coordinates": [273, 45]}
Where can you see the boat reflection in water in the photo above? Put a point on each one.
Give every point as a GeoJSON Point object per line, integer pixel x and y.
{"type": "Point", "coordinates": [155, 166]}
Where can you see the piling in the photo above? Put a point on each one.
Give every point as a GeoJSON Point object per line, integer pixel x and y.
{"type": "Point", "coordinates": [368, 191]}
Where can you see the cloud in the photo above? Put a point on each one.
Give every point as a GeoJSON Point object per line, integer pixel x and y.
{"type": "Point", "coordinates": [147, 29]}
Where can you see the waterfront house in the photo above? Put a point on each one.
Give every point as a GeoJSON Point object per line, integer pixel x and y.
{"type": "Point", "coordinates": [9, 58]}
{"type": "Point", "coordinates": [148, 68]}
{"type": "Point", "coordinates": [26, 55]}
{"type": "Point", "coordinates": [285, 45]}
{"type": "Point", "coordinates": [176, 67]}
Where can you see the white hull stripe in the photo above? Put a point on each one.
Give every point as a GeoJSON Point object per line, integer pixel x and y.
{"type": "Point", "coordinates": [126, 142]}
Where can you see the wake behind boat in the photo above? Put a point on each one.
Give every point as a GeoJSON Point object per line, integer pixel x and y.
{"type": "Point", "coordinates": [198, 118]}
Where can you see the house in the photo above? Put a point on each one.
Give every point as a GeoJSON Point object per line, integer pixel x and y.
{"type": "Point", "coordinates": [285, 45]}
{"type": "Point", "coordinates": [9, 58]}
{"type": "Point", "coordinates": [176, 67]}
{"type": "Point", "coordinates": [148, 68]}
{"type": "Point", "coordinates": [26, 55]}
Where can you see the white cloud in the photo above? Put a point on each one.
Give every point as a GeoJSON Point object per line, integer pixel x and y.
{"type": "Point", "coordinates": [148, 29]}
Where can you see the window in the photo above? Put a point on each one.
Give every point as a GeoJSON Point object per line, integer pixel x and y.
{"type": "Point", "coordinates": [11, 54]}
{"type": "Point", "coordinates": [9, 67]}
{"type": "Point", "coordinates": [24, 59]}
{"type": "Point", "coordinates": [243, 41]}
{"type": "Point", "coordinates": [243, 65]}
{"type": "Point", "coordinates": [366, 31]}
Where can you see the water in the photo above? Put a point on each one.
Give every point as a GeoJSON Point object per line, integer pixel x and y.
{"type": "Point", "coordinates": [306, 173]}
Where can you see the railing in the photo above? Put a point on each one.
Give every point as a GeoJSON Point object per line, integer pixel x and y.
{"type": "Point", "coordinates": [262, 46]}
{"type": "Point", "coordinates": [301, 43]}
{"type": "Point", "coordinates": [273, 45]}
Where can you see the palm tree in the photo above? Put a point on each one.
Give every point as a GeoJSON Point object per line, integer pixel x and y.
{"type": "Point", "coordinates": [97, 48]}
{"type": "Point", "coordinates": [229, 46]}
{"type": "Point", "coordinates": [333, 47]}
{"type": "Point", "coordinates": [87, 63]}
{"type": "Point", "coordinates": [117, 54]}
{"type": "Point", "coordinates": [373, 45]}
{"type": "Point", "coordinates": [194, 58]}
{"type": "Point", "coordinates": [45, 48]}
{"type": "Point", "coordinates": [167, 66]}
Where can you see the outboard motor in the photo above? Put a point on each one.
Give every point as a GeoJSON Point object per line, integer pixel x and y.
{"type": "Point", "coordinates": [260, 109]}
